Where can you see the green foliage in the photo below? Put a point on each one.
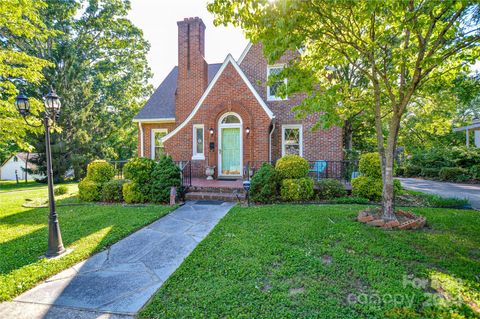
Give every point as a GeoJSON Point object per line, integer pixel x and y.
{"type": "Point", "coordinates": [330, 188]}
{"type": "Point", "coordinates": [300, 189]}
{"type": "Point", "coordinates": [264, 184]}
{"type": "Point", "coordinates": [132, 193]}
{"type": "Point", "coordinates": [412, 170]}
{"type": "Point", "coordinates": [89, 191]}
{"type": "Point", "coordinates": [292, 166]}
{"type": "Point", "coordinates": [165, 175]}
{"type": "Point", "coordinates": [139, 169]}
{"type": "Point", "coordinates": [113, 190]}
{"type": "Point", "coordinates": [100, 171]}
{"type": "Point", "coordinates": [456, 174]}
{"type": "Point", "coordinates": [369, 165]}
{"type": "Point", "coordinates": [60, 190]}
{"type": "Point", "coordinates": [414, 198]}
{"type": "Point", "coordinates": [371, 188]}
{"type": "Point", "coordinates": [475, 171]}
{"type": "Point", "coordinates": [430, 172]}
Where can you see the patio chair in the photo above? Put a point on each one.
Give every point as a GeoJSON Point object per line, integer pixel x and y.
{"type": "Point", "coordinates": [318, 168]}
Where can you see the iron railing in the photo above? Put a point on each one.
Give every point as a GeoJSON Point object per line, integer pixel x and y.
{"type": "Point", "coordinates": [340, 170]}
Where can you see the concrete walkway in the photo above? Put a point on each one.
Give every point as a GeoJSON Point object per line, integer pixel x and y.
{"type": "Point", "coordinates": [468, 191]}
{"type": "Point", "coordinates": [117, 282]}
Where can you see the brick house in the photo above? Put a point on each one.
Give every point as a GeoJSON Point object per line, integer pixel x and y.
{"type": "Point", "coordinates": [224, 114]}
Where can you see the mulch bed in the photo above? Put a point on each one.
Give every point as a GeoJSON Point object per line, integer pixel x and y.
{"type": "Point", "coordinates": [405, 220]}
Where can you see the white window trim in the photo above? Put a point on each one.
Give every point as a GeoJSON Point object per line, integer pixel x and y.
{"type": "Point", "coordinates": [297, 126]}
{"type": "Point", "coordinates": [152, 138]}
{"type": "Point", "coordinates": [272, 97]}
{"type": "Point", "coordinates": [198, 156]}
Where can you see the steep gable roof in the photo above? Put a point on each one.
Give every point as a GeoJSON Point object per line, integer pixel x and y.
{"type": "Point", "coordinates": [161, 105]}
{"type": "Point", "coordinates": [229, 59]}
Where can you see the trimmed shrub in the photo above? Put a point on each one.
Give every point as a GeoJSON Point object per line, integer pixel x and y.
{"type": "Point", "coordinates": [330, 188]}
{"type": "Point", "coordinates": [264, 184]}
{"type": "Point", "coordinates": [371, 188]}
{"type": "Point", "coordinates": [132, 193]}
{"type": "Point", "coordinates": [300, 189]}
{"type": "Point", "coordinates": [292, 166]}
{"type": "Point", "coordinates": [475, 172]}
{"type": "Point", "coordinates": [100, 171]}
{"type": "Point", "coordinates": [369, 165]}
{"type": "Point", "coordinates": [430, 172]}
{"type": "Point", "coordinates": [456, 174]}
{"type": "Point", "coordinates": [89, 191]}
{"type": "Point", "coordinates": [165, 175]}
{"type": "Point", "coordinates": [412, 170]}
{"type": "Point", "coordinates": [60, 190]}
{"type": "Point", "coordinates": [139, 170]}
{"type": "Point", "coordinates": [113, 190]}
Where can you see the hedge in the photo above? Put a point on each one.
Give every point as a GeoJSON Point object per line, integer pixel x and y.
{"type": "Point", "coordinates": [330, 188]}
{"type": "Point", "coordinates": [300, 189]}
{"type": "Point", "coordinates": [292, 166]}
{"type": "Point", "coordinates": [100, 171]}
{"type": "Point", "coordinates": [89, 191]}
{"type": "Point", "coordinates": [113, 190]}
{"type": "Point", "coordinates": [264, 184]}
{"type": "Point", "coordinates": [165, 175]}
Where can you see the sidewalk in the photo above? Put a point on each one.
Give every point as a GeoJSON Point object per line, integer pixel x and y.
{"type": "Point", "coordinates": [117, 282]}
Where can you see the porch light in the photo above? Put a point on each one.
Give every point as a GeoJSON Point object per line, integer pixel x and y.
{"type": "Point", "coordinates": [22, 104]}
{"type": "Point", "coordinates": [211, 131]}
{"type": "Point", "coordinates": [247, 130]}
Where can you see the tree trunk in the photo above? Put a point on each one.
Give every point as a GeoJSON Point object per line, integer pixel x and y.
{"type": "Point", "coordinates": [388, 191]}
{"type": "Point", "coordinates": [348, 135]}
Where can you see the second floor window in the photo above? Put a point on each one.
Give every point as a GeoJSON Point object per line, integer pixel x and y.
{"type": "Point", "coordinates": [272, 89]}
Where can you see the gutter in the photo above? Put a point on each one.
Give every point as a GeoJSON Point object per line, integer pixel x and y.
{"type": "Point", "coordinates": [140, 128]}
{"type": "Point", "coordinates": [270, 142]}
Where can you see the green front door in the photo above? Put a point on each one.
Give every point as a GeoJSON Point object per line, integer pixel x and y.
{"type": "Point", "coordinates": [231, 153]}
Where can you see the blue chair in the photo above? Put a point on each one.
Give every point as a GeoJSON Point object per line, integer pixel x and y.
{"type": "Point", "coordinates": [318, 168]}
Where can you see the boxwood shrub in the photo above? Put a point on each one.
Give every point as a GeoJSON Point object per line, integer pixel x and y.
{"type": "Point", "coordinates": [292, 166]}
{"type": "Point", "coordinates": [100, 171]}
{"type": "Point", "coordinates": [132, 193]}
{"type": "Point", "coordinates": [165, 175]}
{"type": "Point", "coordinates": [300, 189]}
{"type": "Point", "coordinates": [89, 191]}
{"type": "Point", "coordinates": [113, 190]}
{"type": "Point", "coordinates": [330, 188]}
{"type": "Point", "coordinates": [264, 184]}
{"type": "Point", "coordinates": [371, 188]}
{"type": "Point", "coordinates": [139, 170]}
{"type": "Point", "coordinates": [369, 165]}
{"type": "Point", "coordinates": [60, 190]}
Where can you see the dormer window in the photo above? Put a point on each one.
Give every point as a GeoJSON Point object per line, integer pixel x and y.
{"type": "Point", "coordinates": [273, 88]}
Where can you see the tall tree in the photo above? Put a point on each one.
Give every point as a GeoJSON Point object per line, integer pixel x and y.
{"type": "Point", "coordinates": [403, 44]}
{"type": "Point", "coordinates": [19, 19]}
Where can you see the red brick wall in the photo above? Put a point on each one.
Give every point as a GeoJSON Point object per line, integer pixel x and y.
{"type": "Point", "coordinates": [320, 144]}
{"type": "Point", "coordinates": [229, 94]}
{"type": "Point", "coordinates": [192, 69]}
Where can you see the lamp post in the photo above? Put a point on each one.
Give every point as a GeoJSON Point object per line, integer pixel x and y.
{"type": "Point", "coordinates": [52, 111]}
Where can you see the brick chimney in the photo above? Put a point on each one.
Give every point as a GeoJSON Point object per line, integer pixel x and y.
{"type": "Point", "coordinates": [192, 68]}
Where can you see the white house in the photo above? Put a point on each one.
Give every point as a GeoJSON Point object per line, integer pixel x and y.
{"type": "Point", "coordinates": [475, 128]}
{"type": "Point", "coordinates": [15, 166]}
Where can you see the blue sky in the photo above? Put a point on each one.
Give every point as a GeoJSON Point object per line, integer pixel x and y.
{"type": "Point", "coordinates": [158, 20]}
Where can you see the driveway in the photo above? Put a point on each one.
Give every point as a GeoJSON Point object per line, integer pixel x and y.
{"type": "Point", "coordinates": [468, 191]}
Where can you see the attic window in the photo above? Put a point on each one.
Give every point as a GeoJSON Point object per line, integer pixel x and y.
{"type": "Point", "coordinates": [273, 88]}
{"type": "Point", "coordinates": [231, 119]}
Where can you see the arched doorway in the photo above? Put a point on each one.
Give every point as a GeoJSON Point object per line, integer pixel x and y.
{"type": "Point", "coordinates": [230, 145]}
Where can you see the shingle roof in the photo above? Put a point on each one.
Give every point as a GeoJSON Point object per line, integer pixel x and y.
{"type": "Point", "coordinates": [161, 104]}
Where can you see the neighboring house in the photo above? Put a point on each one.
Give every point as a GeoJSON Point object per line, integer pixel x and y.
{"type": "Point", "coordinates": [15, 167]}
{"type": "Point", "coordinates": [472, 128]}
{"type": "Point", "coordinates": [224, 115]}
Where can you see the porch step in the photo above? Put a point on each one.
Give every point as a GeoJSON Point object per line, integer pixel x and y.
{"type": "Point", "coordinates": [227, 197]}
{"type": "Point", "coordinates": [215, 189]}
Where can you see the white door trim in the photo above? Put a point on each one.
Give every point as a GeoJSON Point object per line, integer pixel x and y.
{"type": "Point", "coordinates": [219, 153]}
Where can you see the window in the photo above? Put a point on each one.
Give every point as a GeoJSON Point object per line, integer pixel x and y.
{"type": "Point", "coordinates": [292, 136]}
{"type": "Point", "coordinates": [231, 119]}
{"type": "Point", "coordinates": [157, 145]}
{"type": "Point", "coordinates": [272, 89]}
{"type": "Point", "coordinates": [198, 142]}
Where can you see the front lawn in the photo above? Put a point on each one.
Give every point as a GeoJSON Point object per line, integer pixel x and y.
{"type": "Point", "coordinates": [86, 229]}
{"type": "Point", "coordinates": [292, 261]}
{"type": "Point", "coordinates": [9, 186]}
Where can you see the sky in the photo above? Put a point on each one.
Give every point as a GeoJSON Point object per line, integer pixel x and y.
{"type": "Point", "coordinates": [158, 20]}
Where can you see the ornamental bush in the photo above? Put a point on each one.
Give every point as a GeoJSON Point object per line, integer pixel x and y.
{"type": "Point", "coordinates": [264, 184]}
{"type": "Point", "coordinates": [60, 190]}
{"type": "Point", "coordinates": [113, 190]}
{"type": "Point", "coordinates": [292, 166]}
{"type": "Point", "coordinates": [100, 171]}
{"type": "Point", "coordinates": [165, 175]}
{"type": "Point", "coordinates": [412, 170]}
{"type": "Point", "coordinates": [369, 165]}
{"type": "Point", "coordinates": [475, 172]}
{"type": "Point", "coordinates": [329, 188]}
{"type": "Point", "coordinates": [455, 174]}
{"type": "Point", "coordinates": [89, 191]}
{"type": "Point", "coordinates": [300, 189]}
{"type": "Point", "coordinates": [139, 170]}
{"type": "Point", "coordinates": [132, 193]}
{"type": "Point", "coordinates": [371, 188]}
{"type": "Point", "coordinates": [430, 172]}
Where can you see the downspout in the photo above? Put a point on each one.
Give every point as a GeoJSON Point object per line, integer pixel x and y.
{"type": "Point", "coordinates": [270, 142]}
{"type": "Point", "coordinates": [140, 128]}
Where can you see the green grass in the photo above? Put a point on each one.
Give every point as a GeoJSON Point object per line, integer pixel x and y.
{"type": "Point", "coordinates": [10, 186]}
{"type": "Point", "coordinates": [415, 198]}
{"type": "Point", "coordinates": [86, 229]}
{"type": "Point", "coordinates": [294, 261]}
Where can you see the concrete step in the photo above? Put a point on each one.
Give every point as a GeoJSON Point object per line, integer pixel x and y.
{"type": "Point", "coordinates": [208, 189]}
{"type": "Point", "coordinates": [227, 197]}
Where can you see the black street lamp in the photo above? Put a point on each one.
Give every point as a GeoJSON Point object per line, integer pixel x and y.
{"type": "Point", "coordinates": [52, 111]}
